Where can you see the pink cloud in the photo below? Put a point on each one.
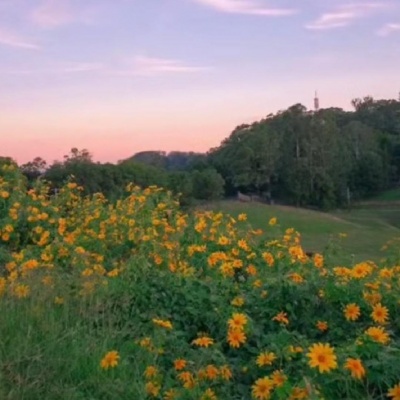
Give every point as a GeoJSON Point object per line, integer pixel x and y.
{"type": "Point", "coordinates": [388, 29]}
{"type": "Point", "coordinates": [345, 15]}
{"type": "Point", "coordinates": [55, 13]}
{"type": "Point", "coordinates": [149, 66]}
{"type": "Point", "coordinates": [52, 13]}
{"type": "Point", "coordinates": [12, 39]}
{"type": "Point", "coordinates": [252, 7]}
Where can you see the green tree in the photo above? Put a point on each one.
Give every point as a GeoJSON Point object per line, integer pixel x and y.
{"type": "Point", "coordinates": [208, 184]}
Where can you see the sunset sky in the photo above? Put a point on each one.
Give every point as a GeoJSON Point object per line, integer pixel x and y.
{"type": "Point", "coordinates": [122, 76]}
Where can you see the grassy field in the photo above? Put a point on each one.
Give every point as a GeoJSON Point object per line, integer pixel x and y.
{"type": "Point", "coordinates": [389, 195]}
{"type": "Point", "coordinates": [367, 229]}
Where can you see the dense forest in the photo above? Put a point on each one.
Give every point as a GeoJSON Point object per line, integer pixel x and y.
{"type": "Point", "coordinates": [324, 159]}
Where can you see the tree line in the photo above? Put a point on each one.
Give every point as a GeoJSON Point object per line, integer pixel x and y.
{"type": "Point", "coordinates": [324, 159]}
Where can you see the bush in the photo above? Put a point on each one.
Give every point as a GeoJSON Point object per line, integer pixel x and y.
{"type": "Point", "coordinates": [135, 299]}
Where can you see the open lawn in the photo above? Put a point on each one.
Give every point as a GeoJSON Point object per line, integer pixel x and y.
{"type": "Point", "coordinates": [367, 229]}
{"type": "Point", "coordinates": [389, 195]}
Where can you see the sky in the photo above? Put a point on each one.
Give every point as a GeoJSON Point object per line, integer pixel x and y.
{"type": "Point", "coordinates": [122, 76]}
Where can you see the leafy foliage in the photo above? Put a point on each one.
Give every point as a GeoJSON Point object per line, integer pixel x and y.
{"type": "Point", "coordinates": [135, 299]}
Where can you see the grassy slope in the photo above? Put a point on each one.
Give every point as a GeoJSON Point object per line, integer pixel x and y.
{"type": "Point", "coordinates": [367, 230]}
{"type": "Point", "coordinates": [389, 195]}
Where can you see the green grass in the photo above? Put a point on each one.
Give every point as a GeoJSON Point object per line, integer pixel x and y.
{"type": "Point", "coordinates": [389, 195]}
{"type": "Point", "coordinates": [367, 229]}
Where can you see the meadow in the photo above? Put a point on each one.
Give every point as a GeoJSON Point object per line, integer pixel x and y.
{"type": "Point", "coordinates": [356, 234]}
{"type": "Point", "coordinates": [138, 300]}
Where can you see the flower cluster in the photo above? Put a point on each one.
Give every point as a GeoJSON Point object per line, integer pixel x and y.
{"type": "Point", "coordinates": [211, 307]}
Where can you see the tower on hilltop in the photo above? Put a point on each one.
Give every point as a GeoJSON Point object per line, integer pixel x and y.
{"type": "Point", "coordinates": [316, 102]}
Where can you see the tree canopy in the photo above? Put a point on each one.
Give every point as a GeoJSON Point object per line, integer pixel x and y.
{"type": "Point", "coordinates": [319, 159]}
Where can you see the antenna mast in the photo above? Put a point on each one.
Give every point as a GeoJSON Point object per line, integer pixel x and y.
{"type": "Point", "coordinates": [316, 102]}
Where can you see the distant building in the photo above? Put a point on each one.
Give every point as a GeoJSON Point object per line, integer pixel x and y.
{"type": "Point", "coordinates": [316, 102]}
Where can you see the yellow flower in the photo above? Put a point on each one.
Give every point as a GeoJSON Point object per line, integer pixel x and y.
{"type": "Point", "coordinates": [150, 371]}
{"type": "Point", "coordinates": [265, 359]}
{"type": "Point", "coordinates": [225, 372]}
{"type": "Point", "coordinates": [299, 394]}
{"type": "Point", "coordinates": [378, 334]}
{"type": "Point", "coordinates": [227, 269]}
{"type": "Point", "coordinates": [354, 365]}
{"type": "Point", "coordinates": [273, 221]}
{"type": "Point", "coordinates": [251, 270]}
{"type": "Point", "coordinates": [211, 372]}
{"type": "Point", "coordinates": [187, 379]}
{"type": "Point", "coordinates": [295, 349]}
{"type": "Point", "coordinates": [163, 323]}
{"type": "Point", "coordinates": [281, 317]}
{"type": "Point", "coordinates": [318, 260]}
{"type": "Point", "coordinates": [279, 378]}
{"type": "Point", "coordinates": [209, 395]}
{"type": "Point", "coordinates": [297, 278]}
{"type": "Point", "coordinates": [58, 300]}
{"type": "Point", "coordinates": [258, 283]}
{"type": "Point", "coordinates": [30, 264]}
{"type": "Point", "coordinates": [3, 284]}
{"type": "Point", "coordinates": [361, 270]}
{"type": "Point", "coordinates": [386, 273]}
{"type": "Point", "coordinates": [72, 185]}
{"type": "Point", "coordinates": [200, 225]}
{"type": "Point", "coordinates": [372, 297]}
{"type": "Point", "coordinates": [223, 240]}
{"type": "Point", "coordinates": [394, 392]}
{"type": "Point", "coordinates": [87, 272]}
{"type": "Point", "coordinates": [322, 356]}
{"type": "Point", "coordinates": [322, 325]}
{"type": "Point", "coordinates": [203, 341]}
{"type": "Point", "coordinates": [237, 264]}
{"type": "Point", "coordinates": [242, 217]}
{"type": "Point", "coordinates": [236, 338]}
{"type": "Point", "coordinates": [113, 273]}
{"type": "Point", "coordinates": [380, 314]}
{"type": "Point", "coordinates": [5, 237]}
{"type": "Point", "coordinates": [237, 301]}
{"type": "Point", "coordinates": [238, 321]}
{"type": "Point", "coordinates": [170, 394]}
{"type": "Point", "coordinates": [268, 258]}
{"type": "Point", "coordinates": [110, 360]}
{"type": "Point", "coordinates": [9, 228]}
{"type": "Point", "coordinates": [152, 389]}
{"type": "Point", "coordinates": [145, 342]}
{"type": "Point", "coordinates": [22, 291]}
{"type": "Point", "coordinates": [352, 312]}
{"type": "Point", "coordinates": [261, 390]}
{"type": "Point", "coordinates": [179, 364]}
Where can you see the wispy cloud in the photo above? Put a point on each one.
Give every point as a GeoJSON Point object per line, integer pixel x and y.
{"type": "Point", "coordinates": [148, 66]}
{"type": "Point", "coordinates": [81, 67]}
{"type": "Point", "coordinates": [136, 66]}
{"type": "Point", "coordinates": [67, 68]}
{"type": "Point", "coordinates": [388, 29]}
{"type": "Point", "coordinates": [52, 13]}
{"type": "Point", "coordinates": [12, 39]}
{"type": "Point", "coordinates": [344, 15]}
{"type": "Point", "coordinates": [252, 7]}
